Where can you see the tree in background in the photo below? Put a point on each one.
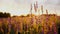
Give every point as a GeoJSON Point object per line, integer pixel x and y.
{"type": "Point", "coordinates": [4, 15]}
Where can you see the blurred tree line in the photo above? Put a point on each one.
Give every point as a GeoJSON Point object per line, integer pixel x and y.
{"type": "Point", "coordinates": [4, 15]}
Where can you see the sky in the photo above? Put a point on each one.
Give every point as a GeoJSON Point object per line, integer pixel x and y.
{"type": "Point", "coordinates": [22, 7]}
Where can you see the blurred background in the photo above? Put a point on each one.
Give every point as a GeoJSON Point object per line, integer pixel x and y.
{"type": "Point", "coordinates": [29, 16]}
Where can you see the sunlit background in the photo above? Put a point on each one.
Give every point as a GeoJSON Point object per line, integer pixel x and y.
{"type": "Point", "coordinates": [22, 7]}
